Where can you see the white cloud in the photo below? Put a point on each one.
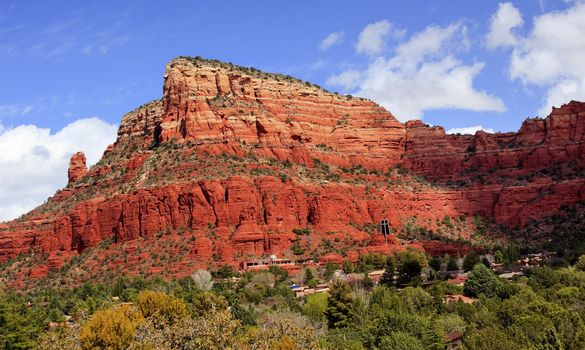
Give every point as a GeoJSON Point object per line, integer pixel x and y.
{"type": "Point", "coordinates": [330, 40]}
{"type": "Point", "coordinates": [34, 162]}
{"type": "Point", "coordinates": [501, 25]}
{"type": "Point", "coordinates": [471, 130]}
{"type": "Point", "coordinates": [563, 91]}
{"type": "Point", "coordinates": [432, 39]}
{"type": "Point", "coordinates": [551, 56]}
{"type": "Point", "coordinates": [423, 74]}
{"type": "Point", "coordinates": [372, 39]}
{"type": "Point", "coordinates": [348, 79]}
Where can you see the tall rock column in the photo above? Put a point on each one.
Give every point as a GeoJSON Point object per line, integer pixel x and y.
{"type": "Point", "coordinates": [77, 167]}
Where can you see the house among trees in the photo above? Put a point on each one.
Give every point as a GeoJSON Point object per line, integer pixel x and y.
{"type": "Point", "coordinates": [264, 264]}
{"type": "Point", "coordinates": [453, 340]}
{"type": "Point", "coordinates": [450, 298]}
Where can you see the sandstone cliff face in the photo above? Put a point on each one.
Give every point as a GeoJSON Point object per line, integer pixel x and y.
{"type": "Point", "coordinates": [236, 159]}
{"type": "Point", "coordinates": [216, 104]}
{"type": "Point", "coordinates": [539, 144]}
{"type": "Point", "coordinates": [512, 177]}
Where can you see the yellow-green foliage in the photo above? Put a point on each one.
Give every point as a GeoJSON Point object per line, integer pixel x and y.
{"type": "Point", "coordinates": [216, 330]}
{"type": "Point", "coordinates": [315, 306]}
{"type": "Point", "coordinates": [111, 328]}
{"type": "Point", "coordinates": [206, 302]}
{"type": "Point", "coordinates": [161, 307]}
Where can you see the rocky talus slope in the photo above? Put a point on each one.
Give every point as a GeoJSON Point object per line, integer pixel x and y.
{"type": "Point", "coordinates": [234, 164]}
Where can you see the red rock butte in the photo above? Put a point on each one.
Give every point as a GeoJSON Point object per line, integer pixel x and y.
{"type": "Point", "coordinates": [248, 164]}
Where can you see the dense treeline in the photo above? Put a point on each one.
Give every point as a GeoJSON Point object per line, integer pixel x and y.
{"type": "Point", "coordinates": [563, 232]}
{"type": "Point", "coordinates": [543, 310]}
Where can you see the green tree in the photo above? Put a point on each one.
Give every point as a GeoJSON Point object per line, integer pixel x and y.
{"type": "Point", "coordinates": [493, 338]}
{"type": "Point", "coordinates": [309, 279]}
{"type": "Point", "coordinates": [538, 331]}
{"type": "Point", "coordinates": [452, 264]}
{"type": "Point", "coordinates": [414, 299]}
{"type": "Point", "coordinates": [470, 260]}
{"type": "Point", "coordinates": [381, 299]}
{"type": "Point", "coordinates": [580, 265]}
{"type": "Point", "coordinates": [347, 266]}
{"type": "Point", "coordinates": [339, 305]}
{"type": "Point", "coordinates": [280, 274]}
{"type": "Point", "coordinates": [435, 263]}
{"type": "Point", "coordinates": [19, 324]}
{"type": "Point", "coordinates": [409, 270]}
{"type": "Point", "coordinates": [226, 271]}
{"type": "Point", "coordinates": [481, 280]}
{"type": "Point", "coordinates": [400, 341]}
{"type": "Point", "coordinates": [329, 271]}
{"type": "Point", "coordinates": [367, 282]}
{"type": "Point", "coordinates": [315, 306]}
{"type": "Point", "coordinates": [206, 302]}
{"type": "Point", "coordinates": [387, 278]}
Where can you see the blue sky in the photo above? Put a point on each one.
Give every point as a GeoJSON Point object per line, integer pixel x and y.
{"type": "Point", "coordinates": [70, 65]}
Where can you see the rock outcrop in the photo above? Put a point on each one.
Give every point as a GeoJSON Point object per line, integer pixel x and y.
{"type": "Point", "coordinates": [249, 164]}
{"type": "Point", "coordinates": [77, 167]}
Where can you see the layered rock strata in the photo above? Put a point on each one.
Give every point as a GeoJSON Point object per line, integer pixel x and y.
{"type": "Point", "coordinates": [242, 160]}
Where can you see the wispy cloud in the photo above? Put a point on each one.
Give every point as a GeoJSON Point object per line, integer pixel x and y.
{"type": "Point", "coordinates": [62, 104]}
{"type": "Point", "coordinates": [9, 110]}
{"type": "Point", "coordinates": [6, 9]}
{"type": "Point", "coordinates": [12, 29]}
{"type": "Point", "coordinates": [8, 50]}
{"type": "Point", "coordinates": [330, 40]}
{"type": "Point", "coordinates": [104, 45]}
{"type": "Point", "coordinates": [80, 32]}
{"type": "Point", "coordinates": [62, 26]}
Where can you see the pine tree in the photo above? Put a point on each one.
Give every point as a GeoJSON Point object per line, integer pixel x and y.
{"type": "Point", "coordinates": [387, 278]}
{"type": "Point", "coordinates": [339, 305]}
{"type": "Point", "coordinates": [310, 278]}
{"type": "Point", "coordinates": [432, 339]}
{"type": "Point", "coordinates": [452, 265]}
{"type": "Point", "coordinates": [436, 263]}
{"type": "Point", "coordinates": [470, 261]}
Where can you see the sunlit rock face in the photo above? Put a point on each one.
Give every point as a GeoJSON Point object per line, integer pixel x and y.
{"type": "Point", "coordinates": [231, 160]}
